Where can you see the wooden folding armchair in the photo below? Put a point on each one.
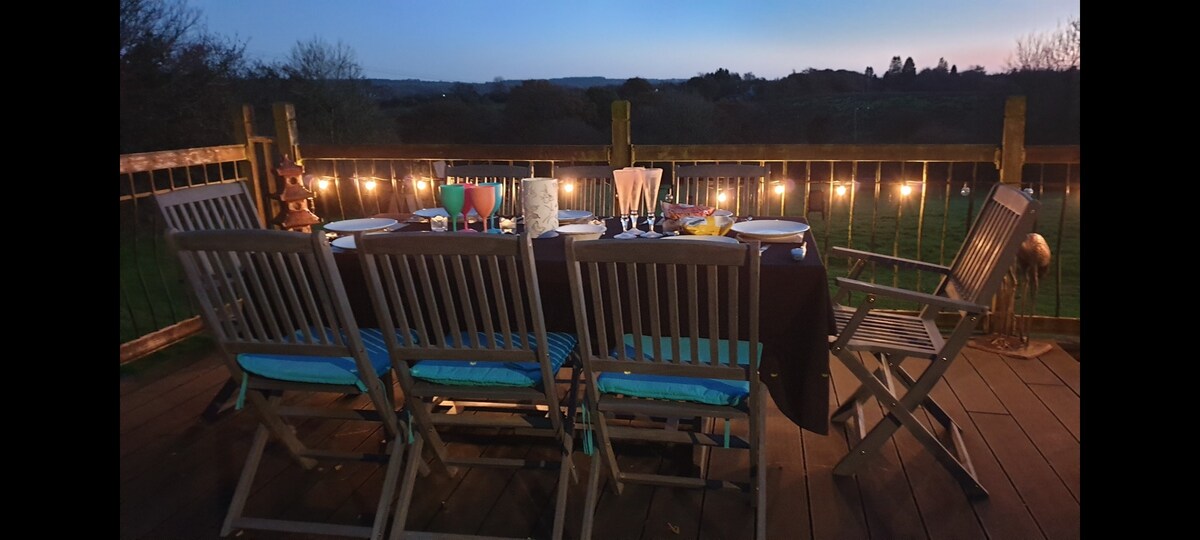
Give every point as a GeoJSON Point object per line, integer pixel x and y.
{"type": "Point", "coordinates": [660, 335]}
{"type": "Point", "coordinates": [209, 207]}
{"type": "Point", "coordinates": [592, 189]}
{"type": "Point", "coordinates": [472, 308]}
{"type": "Point", "coordinates": [742, 185]}
{"type": "Point", "coordinates": [276, 305]}
{"type": "Point", "coordinates": [508, 175]}
{"type": "Point", "coordinates": [204, 208]}
{"type": "Point", "coordinates": [890, 338]}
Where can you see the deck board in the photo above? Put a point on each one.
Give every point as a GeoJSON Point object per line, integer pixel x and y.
{"type": "Point", "coordinates": [1058, 446]}
{"type": "Point", "coordinates": [1020, 420]}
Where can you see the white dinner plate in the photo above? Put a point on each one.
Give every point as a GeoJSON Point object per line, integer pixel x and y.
{"type": "Point", "coordinates": [347, 242]}
{"type": "Point", "coordinates": [363, 224]}
{"type": "Point", "coordinates": [573, 215]}
{"type": "Point", "coordinates": [769, 228]}
{"type": "Point", "coordinates": [703, 238]}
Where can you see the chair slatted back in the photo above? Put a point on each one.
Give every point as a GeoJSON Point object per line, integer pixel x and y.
{"type": "Point", "coordinates": [208, 207]}
{"type": "Point", "coordinates": [669, 294]}
{"type": "Point", "coordinates": [442, 286]}
{"type": "Point", "coordinates": [507, 175]}
{"type": "Point", "coordinates": [991, 244]}
{"type": "Point", "coordinates": [270, 292]}
{"type": "Point", "coordinates": [593, 189]}
{"type": "Point", "coordinates": [742, 185]}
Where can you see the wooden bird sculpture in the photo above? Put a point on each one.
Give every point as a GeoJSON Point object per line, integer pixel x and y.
{"type": "Point", "coordinates": [1033, 262]}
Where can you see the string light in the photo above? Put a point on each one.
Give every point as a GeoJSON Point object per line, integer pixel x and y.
{"type": "Point", "coordinates": [721, 197]}
{"type": "Point", "coordinates": [369, 184]}
{"type": "Point", "coordinates": [421, 184]}
{"type": "Point", "coordinates": [905, 189]}
{"type": "Point", "coordinates": [323, 183]}
{"type": "Point", "coordinates": [966, 190]}
{"type": "Point", "coordinates": [779, 189]}
{"type": "Point", "coordinates": [840, 190]}
{"type": "Point", "coordinates": [569, 187]}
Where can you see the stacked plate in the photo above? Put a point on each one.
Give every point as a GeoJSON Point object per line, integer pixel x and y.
{"type": "Point", "coordinates": [574, 216]}
{"type": "Point", "coordinates": [348, 226]}
{"type": "Point", "coordinates": [771, 230]}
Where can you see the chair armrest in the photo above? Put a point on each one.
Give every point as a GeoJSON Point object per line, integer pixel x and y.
{"type": "Point", "coordinates": [887, 259]}
{"type": "Point", "coordinates": [905, 294]}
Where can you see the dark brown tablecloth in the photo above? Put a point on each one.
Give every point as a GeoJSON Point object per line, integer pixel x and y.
{"type": "Point", "coordinates": [795, 318]}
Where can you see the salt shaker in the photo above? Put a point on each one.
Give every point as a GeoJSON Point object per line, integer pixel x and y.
{"type": "Point", "coordinates": [800, 252]}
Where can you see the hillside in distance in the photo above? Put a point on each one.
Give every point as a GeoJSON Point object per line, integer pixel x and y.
{"type": "Point", "coordinates": [393, 88]}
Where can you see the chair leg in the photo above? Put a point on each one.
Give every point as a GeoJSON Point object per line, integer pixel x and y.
{"type": "Point", "coordinates": [246, 480]}
{"type": "Point", "coordinates": [566, 469]}
{"type": "Point", "coordinates": [390, 476]}
{"type": "Point", "coordinates": [758, 451]}
{"type": "Point", "coordinates": [270, 417]}
{"type": "Point", "coordinates": [899, 412]}
{"type": "Point", "coordinates": [406, 488]}
{"type": "Point", "coordinates": [593, 495]}
{"type": "Point", "coordinates": [220, 401]}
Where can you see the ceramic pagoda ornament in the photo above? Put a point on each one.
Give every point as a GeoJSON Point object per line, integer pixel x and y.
{"type": "Point", "coordinates": [297, 214]}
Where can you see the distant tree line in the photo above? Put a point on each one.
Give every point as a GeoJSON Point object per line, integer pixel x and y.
{"type": "Point", "coordinates": [178, 84]}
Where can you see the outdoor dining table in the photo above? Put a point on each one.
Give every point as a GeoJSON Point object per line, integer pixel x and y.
{"type": "Point", "coordinates": [795, 314]}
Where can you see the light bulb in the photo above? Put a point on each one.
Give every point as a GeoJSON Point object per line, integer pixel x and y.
{"type": "Point", "coordinates": [966, 191]}
{"type": "Point", "coordinates": [721, 197]}
{"type": "Point", "coordinates": [905, 190]}
{"type": "Point", "coordinates": [779, 189]}
{"type": "Point", "coordinates": [369, 184]}
{"type": "Point", "coordinates": [841, 191]}
{"type": "Point", "coordinates": [1028, 191]}
{"type": "Point", "coordinates": [421, 184]}
{"type": "Point", "coordinates": [323, 183]}
{"type": "Point", "coordinates": [569, 187]}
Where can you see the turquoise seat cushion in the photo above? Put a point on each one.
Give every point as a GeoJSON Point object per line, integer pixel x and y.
{"type": "Point", "coordinates": [513, 374]}
{"type": "Point", "coordinates": [319, 369]}
{"type": "Point", "coordinates": [697, 390]}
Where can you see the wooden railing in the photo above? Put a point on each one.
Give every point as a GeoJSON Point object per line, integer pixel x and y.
{"type": "Point", "coordinates": [155, 310]}
{"type": "Point", "coordinates": [914, 201]}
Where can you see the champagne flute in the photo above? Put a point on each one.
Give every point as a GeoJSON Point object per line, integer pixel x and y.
{"type": "Point", "coordinates": [624, 180]}
{"type": "Point", "coordinates": [484, 200]}
{"type": "Point", "coordinates": [650, 190]}
{"type": "Point", "coordinates": [452, 201]}
{"type": "Point", "coordinates": [639, 183]}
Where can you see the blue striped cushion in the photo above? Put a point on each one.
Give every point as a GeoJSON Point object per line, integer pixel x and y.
{"type": "Point", "coordinates": [514, 374]}
{"type": "Point", "coordinates": [710, 391]}
{"type": "Point", "coordinates": [319, 369]}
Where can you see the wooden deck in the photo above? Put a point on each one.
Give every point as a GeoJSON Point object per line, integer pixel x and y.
{"type": "Point", "coordinates": [1020, 420]}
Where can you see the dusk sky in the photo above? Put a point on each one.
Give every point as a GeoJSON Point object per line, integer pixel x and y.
{"type": "Point", "coordinates": [480, 40]}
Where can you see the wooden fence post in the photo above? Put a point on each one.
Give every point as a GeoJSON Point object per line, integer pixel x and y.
{"type": "Point", "coordinates": [622, 147]}
{"type": "Point", "coordinates": [287, 139]}
{"type": "Point", "coordinates": [1012, 144]}
{"type": "Point", "coordinates": [243, 133]}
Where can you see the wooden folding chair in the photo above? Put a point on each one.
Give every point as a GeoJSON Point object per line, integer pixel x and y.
{"type": "Point", "coordinates": [472, 306]}
{"type": "Point", "coordinates": [591, 189]}
{"type": "Point", "coordinates": [275, 303]}
{"type": "Point", "coordinates": [660, 331]}
{"type": "Point", "coordinates": [508, 175]}
{"type": "Point", "coordinates": [204, 208]}
{"type": "Point", "coordinates": [738, 188]}
{"type": "Point", "coordinates": [967, 287]}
